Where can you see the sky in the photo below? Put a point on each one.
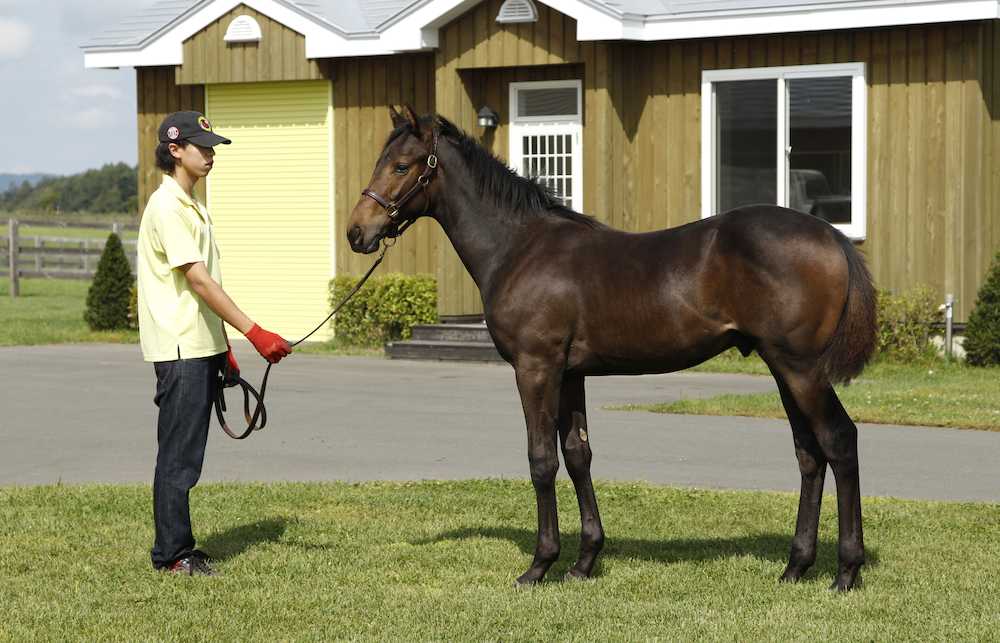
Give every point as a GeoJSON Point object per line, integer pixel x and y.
{"type": "Point", "coordinates": [56, 116]}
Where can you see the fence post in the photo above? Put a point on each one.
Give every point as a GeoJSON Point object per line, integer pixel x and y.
{"type": "Point", "coordinates": [86, 257]}
{"type": "Point", "coordinates": [15, 286]}
{"type": "Point", "coordinates": [116, 228]}
{"type": "Point", "coordinates": [38, 255]}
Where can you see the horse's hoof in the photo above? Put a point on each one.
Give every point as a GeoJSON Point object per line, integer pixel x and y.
{"type": "Point", "coordinates": [791, 575]}
{"type": "Point", "coordinates": [526, 582]}
{"type": "Point", "coordinates": [574, 576]}
{"type": "Point", "coordinates": [846, 583]}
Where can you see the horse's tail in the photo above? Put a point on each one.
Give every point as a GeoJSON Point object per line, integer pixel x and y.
{"type": "Point", "coordinates": [853, 342]}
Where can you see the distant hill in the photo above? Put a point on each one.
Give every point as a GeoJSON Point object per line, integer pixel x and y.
{"type": "Point", "coordinates": [112, 188]}
{"type": "Point", "coordinates": [7, 180]}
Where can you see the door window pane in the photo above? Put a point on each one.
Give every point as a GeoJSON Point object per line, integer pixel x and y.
{"type": "Point", "coordinates": [747, 113]}
{"type": "Point", "coordinates": [819, 174]}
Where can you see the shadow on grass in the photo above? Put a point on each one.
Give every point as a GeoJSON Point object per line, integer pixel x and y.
{"type": "Point", "coordinates": [236, 540]}
{"type": "Point", "coordinates": [772, 547]}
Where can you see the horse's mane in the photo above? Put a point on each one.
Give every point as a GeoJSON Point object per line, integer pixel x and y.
{"type": "Point", "coordinates": [498, 182]}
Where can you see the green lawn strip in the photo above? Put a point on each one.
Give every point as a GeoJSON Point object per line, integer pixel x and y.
{"type": "Point", "coordinates": [334, 348]}
{"type": "Point", "coordinates": [436, 560]}
{"type": "Point", "coordinates": [70, 233]}
{"type": "Point", "coordinates": [731, 361]}
{"type": "Point", "coordinates": [935, 394]}
{"type": "Point", "coordinates": [50, 311]}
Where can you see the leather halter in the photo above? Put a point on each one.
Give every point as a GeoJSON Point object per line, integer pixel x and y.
{"type": "Point", "coordinates": [393, 206]}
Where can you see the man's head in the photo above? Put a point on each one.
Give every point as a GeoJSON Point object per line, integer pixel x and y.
{"type": "Point", "coordinates": [187, 140]}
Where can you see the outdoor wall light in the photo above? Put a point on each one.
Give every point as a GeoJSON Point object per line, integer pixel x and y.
{"type": "Point", "coordinates": [488, 119]}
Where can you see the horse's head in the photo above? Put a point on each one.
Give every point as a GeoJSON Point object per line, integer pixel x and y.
{"type": "Point", "coordinates": [400, 189]}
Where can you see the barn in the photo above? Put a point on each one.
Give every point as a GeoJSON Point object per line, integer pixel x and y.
{"type": "Point", "coordinates": [881, 117]}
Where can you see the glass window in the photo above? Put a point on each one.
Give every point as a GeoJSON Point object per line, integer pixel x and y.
{"type": "Point", "coordinates": [792, 136]}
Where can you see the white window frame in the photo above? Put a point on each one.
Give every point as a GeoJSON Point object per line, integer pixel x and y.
{"type": "Point", "coordinates": [857, 228]}
{"type": "Point", "coordinates": [559, 124]}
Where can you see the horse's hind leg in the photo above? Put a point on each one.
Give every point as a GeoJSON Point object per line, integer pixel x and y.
{"type": "Point", "coordinates": [577, 455]}
{"type": "Point", "coordinates": [837, 440]}
{"type": "Point", "coordinates": [539, 384]}
{"type": "Point", "coordinates": [812, 467]}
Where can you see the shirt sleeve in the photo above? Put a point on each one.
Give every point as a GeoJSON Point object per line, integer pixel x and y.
{"type": "Point", "coordinates": [177, 240]}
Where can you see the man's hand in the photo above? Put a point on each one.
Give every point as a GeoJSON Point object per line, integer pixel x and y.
{"type": "Point", "coordinates": [231, 374]}
{"type": "Point", "coordinates": [271, 346]}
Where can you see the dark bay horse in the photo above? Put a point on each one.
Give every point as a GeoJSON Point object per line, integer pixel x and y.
{"type": "Point", "coordinates": [566, 297]}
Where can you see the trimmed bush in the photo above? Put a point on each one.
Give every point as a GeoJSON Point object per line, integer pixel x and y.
{"type": "Point", "coordinates": [385, 309]}
{"type": "Point", "coordinates": [905, 321]}
{"type": "Point", "coordinates": [982, 332]}
{"type": "Point", "coordinates": [133, 308]}
{"type": "Point", "coordinates": [110, 293]}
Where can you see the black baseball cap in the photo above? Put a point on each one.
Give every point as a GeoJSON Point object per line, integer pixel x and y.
{"type": "Point", "coordinates": [191, 127]}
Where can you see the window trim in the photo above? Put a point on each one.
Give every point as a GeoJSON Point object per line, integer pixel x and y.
{"type": "Point", "coordinates": [857, 228]}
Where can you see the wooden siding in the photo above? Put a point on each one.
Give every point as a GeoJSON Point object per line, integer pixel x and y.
{"type": "Point", "coordinates": [933, 131]}
{"type": "Point", "coordinates": [270, 200]}
{"type": "Point", "coordinates": [280, 54]}
{"type": "Point", "coordinates": [362, 90]}
{"type": "Point", "coordinates": [158, 95]}
{"type": "Point", "coordinates": [932, 134]}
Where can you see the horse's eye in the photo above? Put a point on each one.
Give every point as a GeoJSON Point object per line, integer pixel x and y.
{"type": "Point", "coordinates": [402, 168]}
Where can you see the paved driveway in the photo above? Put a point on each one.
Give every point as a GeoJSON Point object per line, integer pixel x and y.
{"type": "Point", "coordinates": [85, 414]}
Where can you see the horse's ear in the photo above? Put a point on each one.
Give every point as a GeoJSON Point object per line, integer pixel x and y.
{"type": "Point", "coordinates": [411, 118]}
{"type": "Point", "coordinates": [398, 120]}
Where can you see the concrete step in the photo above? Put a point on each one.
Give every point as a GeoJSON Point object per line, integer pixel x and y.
{"type": "Point", "coordinates": [462, 351]}
{"type": "Point", "coordinates": [452, 333]}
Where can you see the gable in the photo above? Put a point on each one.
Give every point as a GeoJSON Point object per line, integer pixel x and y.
{"type": "Point", "coordinates": [279, 55]}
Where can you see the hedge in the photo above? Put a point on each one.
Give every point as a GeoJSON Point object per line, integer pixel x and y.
{"type": "Point", "coordinates": [109, 294]}
{"type": "Point", "coordinates": [385, 309]}
{"type": "Point", "coordinates": [905, 322]}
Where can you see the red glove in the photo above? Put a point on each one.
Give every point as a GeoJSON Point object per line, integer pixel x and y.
{"type": "Point", "coordinates": [232, 372]}
{"type": "Point", "coordinates": [271, 346]}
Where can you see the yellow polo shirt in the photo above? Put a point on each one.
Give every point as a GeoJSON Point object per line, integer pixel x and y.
{"type": "Point", "coordinates": [174, 322]}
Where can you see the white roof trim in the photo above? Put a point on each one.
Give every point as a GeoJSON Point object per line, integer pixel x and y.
{"type": "Point", "coordinates": [810, 18]}
{"type": "Point", "coordinates": [416, 27]}
{"type": "Point", "coordinates": [166, 47]}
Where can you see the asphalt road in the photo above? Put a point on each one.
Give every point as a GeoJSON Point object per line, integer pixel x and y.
{"type": "Point", "coordinates": [85, 414]}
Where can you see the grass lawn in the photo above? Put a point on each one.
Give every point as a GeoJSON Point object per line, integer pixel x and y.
{"type": "Point", "coordinates": [934, 394]}
{"type": "Point", "coordinates": [50, 311]}
{"type": "Point", "coordinates": [436, 560]}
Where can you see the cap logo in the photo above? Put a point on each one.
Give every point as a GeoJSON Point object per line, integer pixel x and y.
{"type": "Point", "coordinates": [205, 125]}
{"type": "Point", "coordinates": [173, 133]}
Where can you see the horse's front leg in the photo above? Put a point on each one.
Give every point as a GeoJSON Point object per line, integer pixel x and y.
{"type": "Point", "coordinates": [577, 455]}
{"type": "Point", "coordinates": [538, 383]}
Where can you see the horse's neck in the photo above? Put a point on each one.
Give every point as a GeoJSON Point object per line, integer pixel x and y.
{"type": "Point", "coordinates": [483, 235]}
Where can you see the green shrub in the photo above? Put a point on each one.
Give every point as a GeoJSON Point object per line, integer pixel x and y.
{"type": "Point", "coordinates": [109, 294]}
{"type": "Point", "coordinates": [904, 324]}
{"type": "Point", "coordinates": [982, 332]}
{"type": "Point", "coordinates": [133, 308]}
{"type": "Point", "coordinates": [385, 309]}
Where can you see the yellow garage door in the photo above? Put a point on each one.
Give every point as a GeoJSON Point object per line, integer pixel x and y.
{"type": "Point", "coordinates": [270, 195]}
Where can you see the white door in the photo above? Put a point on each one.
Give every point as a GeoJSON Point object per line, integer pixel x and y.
{"type": "Point", "coordinates": [546, 132]}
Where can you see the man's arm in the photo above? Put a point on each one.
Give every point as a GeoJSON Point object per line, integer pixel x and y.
{"type": "Point", "coordinates": [208, 289]}
{"type": "Point", "coordinates": [271, 346]}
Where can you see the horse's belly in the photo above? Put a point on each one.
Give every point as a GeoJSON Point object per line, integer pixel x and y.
{"type": "Point", "coordinates": [646, 354]}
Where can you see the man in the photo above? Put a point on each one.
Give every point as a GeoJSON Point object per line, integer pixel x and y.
{"type": "Point", "coordinates": [181, 309]}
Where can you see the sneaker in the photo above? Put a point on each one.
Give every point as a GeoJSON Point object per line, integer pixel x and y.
{"type": "Point", "coordinates": [194, 564]}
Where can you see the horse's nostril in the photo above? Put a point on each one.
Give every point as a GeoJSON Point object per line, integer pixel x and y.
{"type": "Point", "coordinates": [354, 235]}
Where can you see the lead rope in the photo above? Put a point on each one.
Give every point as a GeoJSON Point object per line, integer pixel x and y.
{"type": "Point", "coordinates": [260, 413]}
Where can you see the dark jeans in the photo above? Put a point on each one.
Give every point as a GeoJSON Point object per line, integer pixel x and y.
{"type": "Point", "coordinates": [185, 389]}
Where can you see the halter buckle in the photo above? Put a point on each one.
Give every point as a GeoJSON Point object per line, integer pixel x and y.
{"type": "Point", "coordinates": [432, 161]}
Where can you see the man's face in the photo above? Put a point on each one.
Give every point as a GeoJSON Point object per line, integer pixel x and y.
{"type": "Point", "coordinates": [196, 160]}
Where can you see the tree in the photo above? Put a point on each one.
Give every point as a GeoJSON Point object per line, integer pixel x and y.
{"type": "Point", "coordinates": [109, 294]}
{"type": "Point", "coordinates": [982, 332]}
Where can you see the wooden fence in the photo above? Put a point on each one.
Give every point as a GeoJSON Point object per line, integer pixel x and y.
{"type": "Point", "coordinates": [56, 257]}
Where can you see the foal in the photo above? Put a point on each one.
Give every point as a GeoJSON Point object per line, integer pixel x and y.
{"type": "Point", "coordinates": [566, 297]}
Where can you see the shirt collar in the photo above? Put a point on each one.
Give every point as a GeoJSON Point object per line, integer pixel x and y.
{"type": "Point", "coordinates": [172, 186]}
